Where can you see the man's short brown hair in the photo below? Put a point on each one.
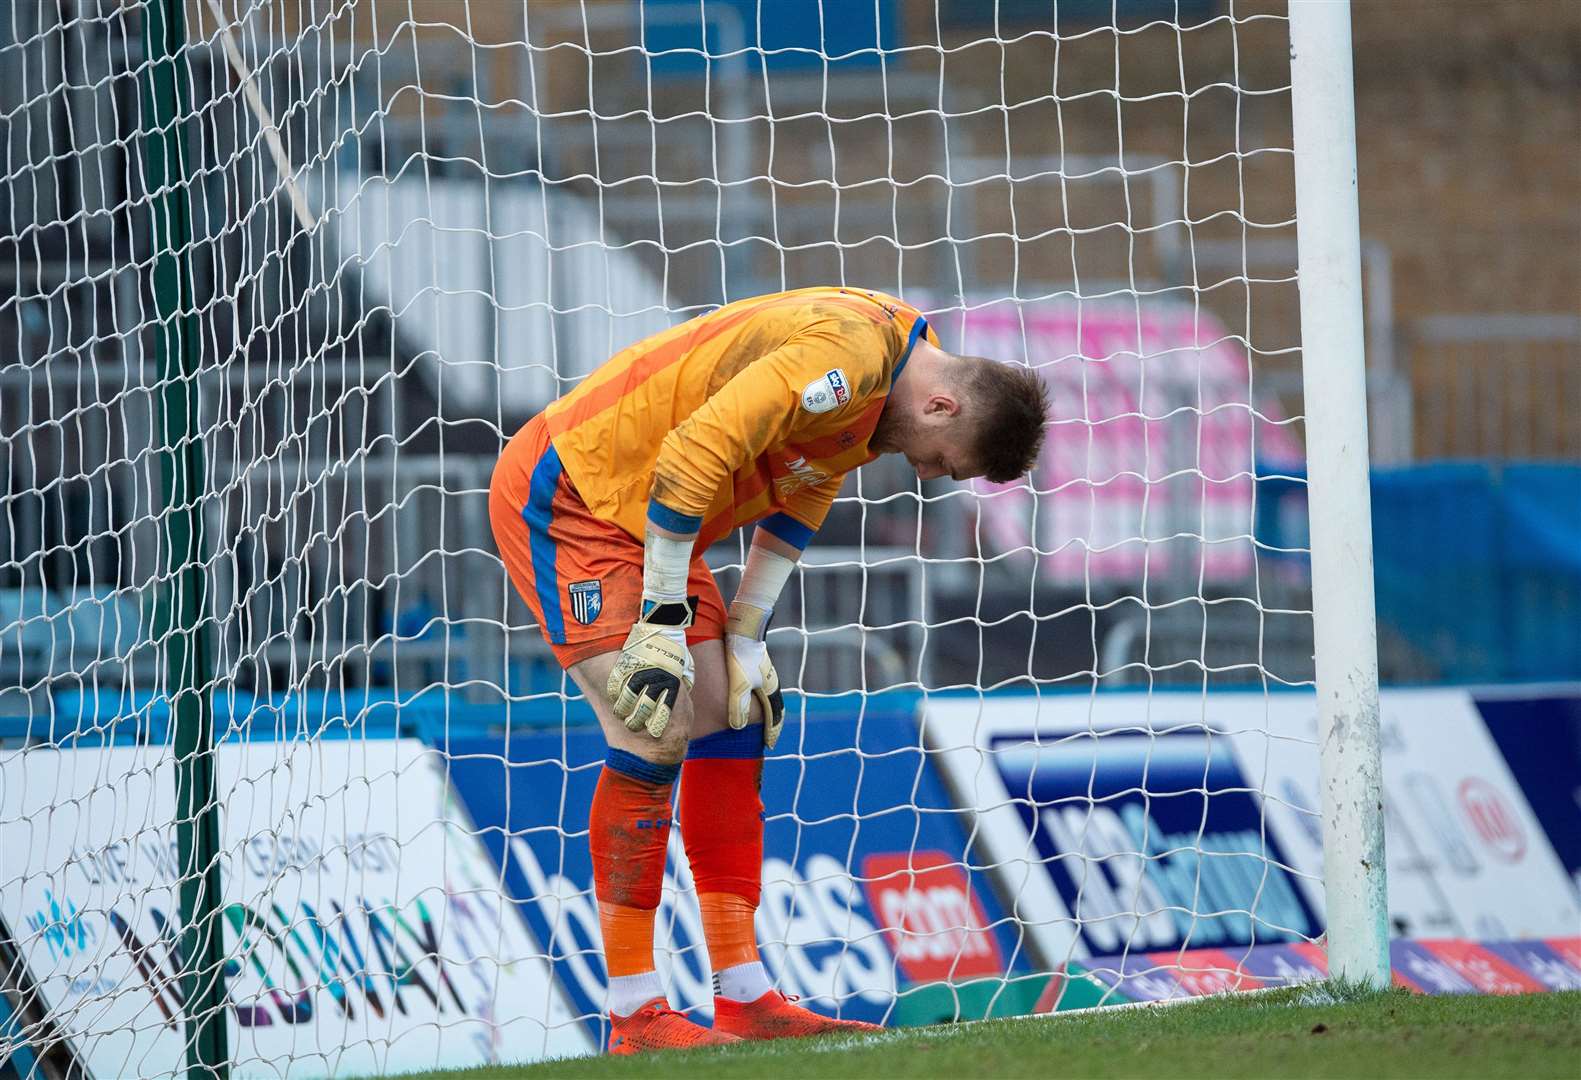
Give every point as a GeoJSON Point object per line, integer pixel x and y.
{"type": "Point", "coordinates": [1010, 404]}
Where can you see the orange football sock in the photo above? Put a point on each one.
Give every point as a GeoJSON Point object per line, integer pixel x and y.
{"type": "Point", "coordinates": [628, 938]}
{"type": "Point", "coordinates": [628, 831]}
{"type": "Point", "coordinates": [728, 928]}
{"type": "Point", "coordinates": [722, 824]}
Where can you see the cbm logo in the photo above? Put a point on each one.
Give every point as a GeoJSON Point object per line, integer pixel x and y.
{"type": "Point", "coordinates": [653, 823]}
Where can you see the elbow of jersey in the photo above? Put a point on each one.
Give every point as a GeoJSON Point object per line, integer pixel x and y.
{"type": "Point", "coordinates": [685, 479]}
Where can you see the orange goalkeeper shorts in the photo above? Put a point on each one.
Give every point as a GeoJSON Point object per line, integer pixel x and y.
{"type": "Point", "coordinates": [580, 575]}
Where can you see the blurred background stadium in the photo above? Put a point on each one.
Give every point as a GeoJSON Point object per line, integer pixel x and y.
{"type": "Point", "coordinates": [510, 194]}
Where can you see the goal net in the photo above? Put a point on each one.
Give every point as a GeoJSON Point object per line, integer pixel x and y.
{"type": "Point", "coordinates": [288, 778]}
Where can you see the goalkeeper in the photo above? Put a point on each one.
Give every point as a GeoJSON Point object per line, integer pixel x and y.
{"type": "Point", "coordinates": [602, 506]}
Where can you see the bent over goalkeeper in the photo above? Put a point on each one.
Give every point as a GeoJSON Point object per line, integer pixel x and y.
{"type": "Point", "coordinates": [602, 506]}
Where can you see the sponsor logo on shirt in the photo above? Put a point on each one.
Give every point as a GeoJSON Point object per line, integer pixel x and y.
{"type": "Point", "coordinates": [802, 475]}
{"type": "Point", "coordinates": [828, 391]}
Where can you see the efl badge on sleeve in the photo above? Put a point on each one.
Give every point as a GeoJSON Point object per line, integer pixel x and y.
{"type": "Point", "coordinates": [587, 600]}
{"type": "Point", "coordinates": [826, 393]}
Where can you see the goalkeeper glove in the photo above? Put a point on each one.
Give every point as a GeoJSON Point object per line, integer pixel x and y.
{"type": "Point", "coordinates": [751, 673]}
{"type": "Point", "coordinates": [653, 663]}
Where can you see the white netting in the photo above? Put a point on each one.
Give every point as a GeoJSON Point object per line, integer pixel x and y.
{"type": "Point", "coordinates": [411, 225]}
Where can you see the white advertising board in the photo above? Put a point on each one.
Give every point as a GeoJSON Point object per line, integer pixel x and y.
{"type": "Point", "coordinates": [366, 927]}
{"type": "Point", "coordinates": [1134, 821]}
{"type": "Point", "coordinates": [1466, 855]}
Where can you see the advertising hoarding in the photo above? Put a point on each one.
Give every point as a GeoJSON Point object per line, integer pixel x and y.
{"type": "Point", "coordinates": [365, 925]}
{"type": "Point", "coordinates": [1434, 966]}
{"type": "Point", "coordinates": [1156, 822]}
{"type": "Point", "coordinates": [866, 888]}
{"type": "Point", "coordinates": [1539, 735]}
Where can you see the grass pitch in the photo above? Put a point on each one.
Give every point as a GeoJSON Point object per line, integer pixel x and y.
{"type": "Point", "coordinates": [1303, 1032]}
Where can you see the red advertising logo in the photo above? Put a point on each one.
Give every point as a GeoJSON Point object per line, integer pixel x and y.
{"type": "Point", "coordinates": [1492, 818]}
{"type": "Point", "coordinates": [1203, 972]}
{"type": "Point", "coordinates": [934, 922]}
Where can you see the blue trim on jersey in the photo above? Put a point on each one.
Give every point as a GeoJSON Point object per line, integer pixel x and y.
{"type": "Point", "coordinates": [538, 512]}
{"type": "Point", "coordinates": [787, 529]}
{"type": "Point", "coordinates": [649, 772]}
{"type": "Point", "coordinates": [745, 744]}
{"type": "Point", "coordinates": [674, 520]}
{"type": "Point", "coordinates": [918, 328]}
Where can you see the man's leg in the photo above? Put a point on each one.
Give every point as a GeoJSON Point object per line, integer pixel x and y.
{"type": "Point", "coordinates": [722, 825]}
{"type": "Point", "coordinates": [721, 821]}
{"type": "Point", "coordinates": [547, 538]}
{"type": "Point", "coordinates": [628, 831]}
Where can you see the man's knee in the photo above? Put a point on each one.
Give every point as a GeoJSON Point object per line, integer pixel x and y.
{"type": "Point", "coordinates": [592, 676]}
{"type": "Point", "coordinates": [670, 747]}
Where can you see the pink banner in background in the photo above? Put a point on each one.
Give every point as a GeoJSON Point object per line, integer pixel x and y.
{"type": "Point", "coordinates": [1157, 427]}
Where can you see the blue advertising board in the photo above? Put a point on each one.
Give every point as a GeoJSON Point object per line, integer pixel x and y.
{"type": "Point", "coordinates": [1134, 822]}
{"type": "Point", "coordinates": [867, 887]}
{"type": "Point", "coordinates": [1154, 840]}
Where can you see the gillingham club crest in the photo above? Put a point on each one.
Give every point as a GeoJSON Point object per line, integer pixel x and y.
{"type": "Point", "coordinates": [587, 600]}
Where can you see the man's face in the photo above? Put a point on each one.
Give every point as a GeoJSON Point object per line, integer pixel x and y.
{"type": "Point", "coordinates": [936, 443]}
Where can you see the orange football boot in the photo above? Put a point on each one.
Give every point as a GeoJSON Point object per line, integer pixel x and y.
{"type": "Point", "coordinates": [656, 1026]}
{"type": "Point", "coordinates": [775, 1016]}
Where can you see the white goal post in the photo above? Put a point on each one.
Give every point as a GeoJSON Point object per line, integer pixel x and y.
{"type": "Point", "coordinates": [1334, 379]}
{"type": "Point", "coordinates": [289, 780]}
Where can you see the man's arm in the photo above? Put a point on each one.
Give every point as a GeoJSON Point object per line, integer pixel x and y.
{"type": "Point", "coordinates": [654, 661]}
{"type": "Point", "coordinates": [751, 673]}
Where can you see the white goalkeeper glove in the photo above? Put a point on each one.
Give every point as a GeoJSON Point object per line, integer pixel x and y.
{"type": "Point", "coordinates": [751, 673]}
{"type": "Point", "coordinates": [653, 664]}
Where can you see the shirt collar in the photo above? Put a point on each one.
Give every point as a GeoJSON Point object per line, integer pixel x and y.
{"type": "Point", "coordinates": [918, 328]}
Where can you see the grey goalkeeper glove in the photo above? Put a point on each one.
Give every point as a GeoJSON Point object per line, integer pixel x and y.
{"type": "Point", "coordinates": [751, 673]}
{"type": "Point", "coordinates": [654, 663]}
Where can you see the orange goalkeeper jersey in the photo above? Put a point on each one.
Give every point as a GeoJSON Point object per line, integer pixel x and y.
{"type": "Point", "coordinates": [756, 410]}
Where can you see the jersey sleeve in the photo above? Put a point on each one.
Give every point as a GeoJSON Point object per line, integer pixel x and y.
{"type": "Point", "coordinates": [803, 514]}
{"type": "Point", "coordinates": [760, 407]}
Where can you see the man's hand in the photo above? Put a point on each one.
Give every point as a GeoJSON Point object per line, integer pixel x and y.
{"type": "Point", "coordinates": [654, 662]}
{"type": "Point", "coordinates": [751, 674]}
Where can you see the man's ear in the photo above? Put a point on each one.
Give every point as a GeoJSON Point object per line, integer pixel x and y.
{"type": "Point", "coordinates": [941, 404]}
